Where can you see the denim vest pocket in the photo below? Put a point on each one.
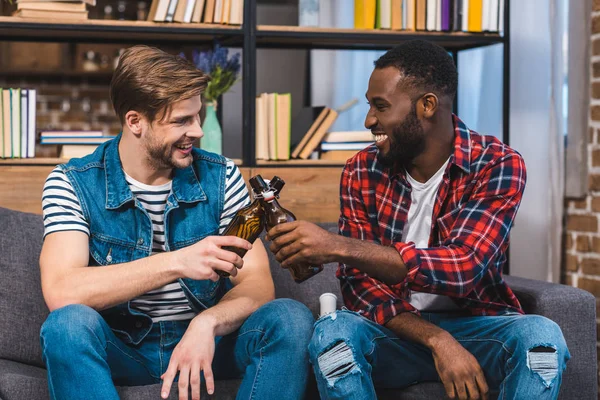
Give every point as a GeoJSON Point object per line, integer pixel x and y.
{"type": "Point", "coordinates": [106, 250]}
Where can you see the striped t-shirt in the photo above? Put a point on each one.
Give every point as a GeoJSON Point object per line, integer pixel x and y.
{"type": "Point", "coordinates": [62, 212]}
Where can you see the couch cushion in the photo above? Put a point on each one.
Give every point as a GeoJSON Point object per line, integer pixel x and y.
{"type": "Point", "coordinates": [307, 292]}
{"type": "Point", "coordinates": [19, 381]}
{"type": "Point", "coordinates": [22, 307]}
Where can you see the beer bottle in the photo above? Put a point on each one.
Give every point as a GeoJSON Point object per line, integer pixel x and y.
{"type": "Point", "coordinates": [275, 214]}
{"type": "Point", "coordinates": [248, 222]}
{"type": "Point", "coordinates": [276, 184]}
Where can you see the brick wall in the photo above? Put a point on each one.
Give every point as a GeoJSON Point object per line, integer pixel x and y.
{"type": "Point", "coordinates": [582, 236]}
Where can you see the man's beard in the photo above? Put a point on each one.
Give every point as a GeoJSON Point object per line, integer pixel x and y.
{"type": "Point", "coordinates": [160, 156]}
{"type": "Point", "coordinates": [406, 142]}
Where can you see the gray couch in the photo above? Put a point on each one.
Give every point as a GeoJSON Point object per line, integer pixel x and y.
{"type": "Point", "coordinates": [22, 311]}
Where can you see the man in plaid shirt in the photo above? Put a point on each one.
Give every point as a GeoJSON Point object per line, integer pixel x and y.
{"type": "Point", "coordinates": [426, 213]}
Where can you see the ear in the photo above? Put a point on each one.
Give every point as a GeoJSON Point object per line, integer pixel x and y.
{"type": "Point", "coordinates": [429, 104]}
{"type": "Point", "coordinates": [136, 122]}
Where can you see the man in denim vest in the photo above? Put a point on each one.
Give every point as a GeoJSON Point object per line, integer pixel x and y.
{"type": "Point", "coordinates": [132, 253]}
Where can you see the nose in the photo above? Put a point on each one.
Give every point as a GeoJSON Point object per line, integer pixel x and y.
{"type": "Point", "coordinates": [370, 120]}
{"type": "Point", "coordinates": [195, 130]}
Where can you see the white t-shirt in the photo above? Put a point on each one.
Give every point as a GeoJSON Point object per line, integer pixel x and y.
{"type": "Point", "coordinates": [62, 212]}
{"type": "Point", "coordinates": [418, 229]}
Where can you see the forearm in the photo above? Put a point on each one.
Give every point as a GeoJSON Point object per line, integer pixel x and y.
{"type": "Point", "coordinates": [236, 306]}
{"type": "Point", "coordinates": [414, 328]}
{"type": "Point", "coordinates": [105, 287]}
{"type": "Point", "coordinates": [380, 262]}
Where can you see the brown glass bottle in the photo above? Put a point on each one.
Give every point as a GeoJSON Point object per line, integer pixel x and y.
{"type": "Point", "coordinates": [275, 214]}
{"type": "Point", "coordinates": [248, 223]}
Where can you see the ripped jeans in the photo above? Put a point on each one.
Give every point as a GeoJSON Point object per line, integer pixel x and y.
{"type": "Point", "coordinates": [522, 356]}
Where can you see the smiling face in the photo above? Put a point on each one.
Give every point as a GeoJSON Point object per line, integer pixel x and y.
{"type": "Point", "coordinates": [168, 142]}
{"type": "Point", "coordinates": [393, 119]}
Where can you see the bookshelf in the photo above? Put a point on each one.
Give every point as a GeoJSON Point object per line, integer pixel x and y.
{"type": "Point", "coordinates": [250, 37]}
{"type": "Point", "coordinates": [21, 180]}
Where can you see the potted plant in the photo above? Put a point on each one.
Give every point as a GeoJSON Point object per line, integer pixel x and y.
{"type": "Point", "coordinates": [224, 72]}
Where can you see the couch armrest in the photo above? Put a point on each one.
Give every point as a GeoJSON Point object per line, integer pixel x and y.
{"type": "Point", "coordinates": [574, 310]}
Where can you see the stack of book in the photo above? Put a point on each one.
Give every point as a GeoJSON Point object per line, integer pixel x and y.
{"type": "Point", "coordinates": [340, 146]}
{"type": "Point", "coordinates": [53, 9]}
{"type": "Point", "coordinates": [228, 12]}
{"type": "Point", "coordinates": [430, 15]}
{"type": "Point", "coordinates": [17, 123]}
{"type": "Point", "coordinates": [273, 126]}
{"type": "Point", "coordinates": [73, 144]}
{"type": "Point", "coordinates": [314, 135]}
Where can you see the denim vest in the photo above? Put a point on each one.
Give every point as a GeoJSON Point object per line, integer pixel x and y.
{"type": "Point", "coordinates": [121, 229]}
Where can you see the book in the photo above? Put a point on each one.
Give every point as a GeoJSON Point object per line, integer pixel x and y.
{"type": "Point", "coordinates": [76, 150]}
{"type": "Point", "coordinates": [31, 124]}
{"type": "Point", "coordinates": [217, 18]}
{"type": "Point", "coordinates": [271, 101]}
{"type": "Point", "coordinates": [15, 122]}
{"type": "Point", "coordinates": [1, 123]}
{"type": "Point", "coordinates": [348, 136]}
{"type": "Point", "coordinates": [171, 10]}
{"type": "Point", "coordinates": [198, 12]}
{"type": "Point", "coordinates": [475, 14]}
{"type": "Point", "coordinates": [6, 119]}
{"type": "Point", "coordinates": [70, 15]}
{"type": "Point", "coordinates": [318, 134]}
{"type": "Point", "coordinates": [397, 14]}
{"type": "Point", "coordinates": [58, 134]}
{"type": "Point", "coordinates": [430, 12]}
{"type": "Point", "coordinates": [76, 140]}
{"type": "Point", "coordinates": [446, 15]}
{"type": "Point", "coordinates": [338, 155]}
{"type": "Point", "coordinates": [327, 146]}
{"type": "Point", "coordinates": [51, 6]}
{"type": "Point", "coordinates": [89, 2]}
{"type": "Point", "coordinates": [24, 120]}
{"type": "Point", "coordinates": [410, 7]}
{"type": "Point", "coordinates": [236, 16]}
{"type": "Point", "coordinates": [457, 15]}
{"type": "Point", "coordinates": [182, 6]}
{"type": "Point", "coordinates": [209, 11]}
{"type": "Point", "coordinates": [494, 14]}
{"type": "Point", "coordinates": [384, 14]}
{"type": "Point", "coordinates": [262, 144]}
{"type": "Point", "coordinates": [152, 12]}
{"type": "Point", "coordinates": [365, 14]}
{"type": "Point", "coordinates": [284, 125]}
{"type": "Point", "coordinates": [315, 122]}
{"type": "Point", "coordinates": [420, 15]}
{"type": "Point", "coordinates": [226, 11]}
{"type": "Point", "coordinates": [465, 16]}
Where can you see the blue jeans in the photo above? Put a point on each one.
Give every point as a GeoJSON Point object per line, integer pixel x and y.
{"type": "Point", "coordinates": [85, 360]}
{"type": "Point", "coordinates": [352, 355]}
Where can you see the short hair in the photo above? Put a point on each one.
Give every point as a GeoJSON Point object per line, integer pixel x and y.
{"type": "Point", "coordinates": [150, 81]}
{"type": "Point", "coordinates": [427, 66]}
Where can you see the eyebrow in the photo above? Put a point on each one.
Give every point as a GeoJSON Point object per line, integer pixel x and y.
{"type": "Point", "coordinates": [377, 98]}
{"type": "Point", "coordinates": [183, 116]}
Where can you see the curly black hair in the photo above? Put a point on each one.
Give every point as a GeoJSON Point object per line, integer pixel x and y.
{"type": "Point", "coordinates": [427, 66]}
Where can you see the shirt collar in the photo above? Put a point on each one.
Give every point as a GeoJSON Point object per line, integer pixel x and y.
{"type": "Point", "coordinates": [185, 187]}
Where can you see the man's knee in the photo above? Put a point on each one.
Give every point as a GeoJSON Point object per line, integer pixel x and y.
{"type": "Point", "coordinates": [288, 319]}
{"type": "Point", "coordinates": [69, 326]}
{"type": "Point", "coordinates": [543, 346]}
{"type": "Point", "coordinates": [337, 340]}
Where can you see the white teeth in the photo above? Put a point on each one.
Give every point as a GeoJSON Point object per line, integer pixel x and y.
{"type": "Point", "coordinates": [380, 138]}
{"type": "Point", "coordinates": [185, 147]}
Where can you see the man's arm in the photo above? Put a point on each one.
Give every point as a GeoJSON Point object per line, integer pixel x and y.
{"type": "Point", "coordinates": [253, 287]}
{"type": "Point", "coordinates": [67, 278]}
{"type": "Point", "coordinates": [476, 235]}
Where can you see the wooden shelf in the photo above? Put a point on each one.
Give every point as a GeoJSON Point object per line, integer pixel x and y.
{"type": "Point", "coordinates": [30, 29]}
{"type": "Point", "coordinates": [32, 161]}
{"type": "Point", "coordinates": [332, 38]}
{"type": "Point", "coordinates": [296, 163]}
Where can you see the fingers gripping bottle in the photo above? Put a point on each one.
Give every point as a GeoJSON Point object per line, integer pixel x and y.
{"type": "Point", "coordinates": [248, 223]}
{"type": "Point", "coordinates": [275, 214]}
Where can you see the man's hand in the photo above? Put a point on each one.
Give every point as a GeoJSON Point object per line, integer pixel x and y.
{"type": "Point", "coordinates": [301, 242]}
{"type": "Point", "coordinates": [193, 354]}
{"type": "Point", "coordinates": [459, 370]}
{"type": "Point", "coordinates": [200, 260]}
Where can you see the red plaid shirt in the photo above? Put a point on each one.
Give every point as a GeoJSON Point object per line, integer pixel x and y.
{"type": "Point", "coordinates": [475, 207]}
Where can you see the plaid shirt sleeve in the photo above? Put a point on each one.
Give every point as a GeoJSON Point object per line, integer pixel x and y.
{"type": "Point", "coordinates": [370, 297]}
{"type": "Point", "coordinates": [475, 233]}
